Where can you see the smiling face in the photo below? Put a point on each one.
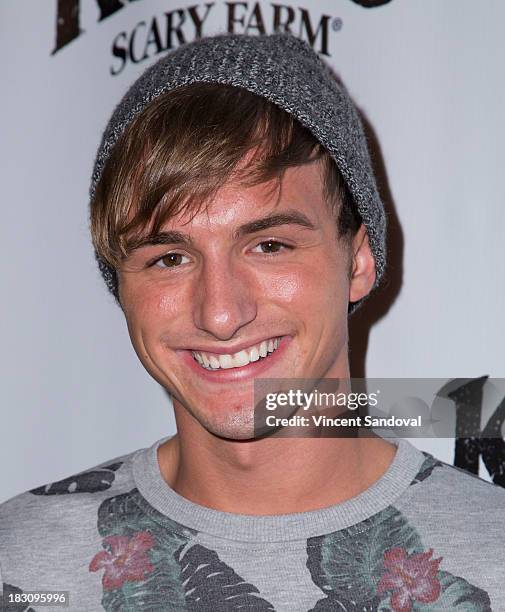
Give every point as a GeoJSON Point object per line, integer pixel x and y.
{"type": "Point", "coordinates": [258, 285]}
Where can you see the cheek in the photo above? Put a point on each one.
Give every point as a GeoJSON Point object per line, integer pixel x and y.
{"type": "Point", "coordinates": [286, 288]}
{"type": "Point", "coordinates": [168, 303]}
{"type": "Point", "coordinates": [145, 305]}
{"type": "Point", "coordinates": [309, 288]}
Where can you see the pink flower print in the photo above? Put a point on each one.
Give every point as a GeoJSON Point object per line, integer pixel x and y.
{"type": "Point", "coordinates": [127, 560]}
{"type": "Point", "coordinates": [410, 578]}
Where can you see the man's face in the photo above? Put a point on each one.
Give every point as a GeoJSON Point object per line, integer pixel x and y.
{"type": "Point", "coordinates": [257, 286]}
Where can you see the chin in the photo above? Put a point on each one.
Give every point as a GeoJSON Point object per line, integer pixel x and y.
{"type": "Point", "coordinates": [234, 424]}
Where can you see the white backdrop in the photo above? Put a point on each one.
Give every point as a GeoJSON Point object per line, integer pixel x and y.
{"type": "Point", "coordinates": [429, 78]}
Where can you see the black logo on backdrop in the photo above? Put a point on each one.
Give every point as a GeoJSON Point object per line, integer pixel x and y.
{"type": "Point", "coordinates": [472, 440]}
{"type": "Point", "coordinates": [179, 26]}
{"type": "Point", "coordinates": [371, 3]}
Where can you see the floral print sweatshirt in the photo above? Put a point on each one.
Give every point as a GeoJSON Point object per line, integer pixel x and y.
{"type": "Point", "coordinates": [425, 537]}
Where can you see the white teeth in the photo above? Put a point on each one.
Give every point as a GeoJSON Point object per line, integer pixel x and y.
{"type": "Point", "coordinates": [214, 362]}
{"type": "Point", "coordinates": [226, 361]}
{"type": "Point", "coordinates": [242, 358]}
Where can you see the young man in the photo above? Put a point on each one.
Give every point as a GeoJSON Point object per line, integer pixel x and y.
{"type": "Point", "coordinates": [235, 218]}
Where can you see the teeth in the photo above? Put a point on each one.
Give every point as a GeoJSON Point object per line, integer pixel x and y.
{"type": "Point", "coordinates": [214, 362]}
{"type": "Point", "coordinates": [225, 361]}
{"type": "Point", "coordinates": [242, 358]}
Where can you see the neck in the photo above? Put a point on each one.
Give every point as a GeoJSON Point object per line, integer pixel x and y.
{"type": "Point", "coordinates": [271, 476]}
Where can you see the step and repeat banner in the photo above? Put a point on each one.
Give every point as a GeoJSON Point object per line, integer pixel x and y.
{"type": "Point", "coordinates": [428, 79]}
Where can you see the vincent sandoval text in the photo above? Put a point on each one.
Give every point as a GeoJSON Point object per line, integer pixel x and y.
{"type": "Point", "coordinates": [357, 421]}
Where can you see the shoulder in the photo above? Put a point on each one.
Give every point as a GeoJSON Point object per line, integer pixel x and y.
{"type": "Point", "coordinates": [459, 482]}
{"type": "Point", "coordinates": [80, 489]}
{"type": "Point", "coordinates": [473, 495]}
{"type": "Point", "coordinates": [450, 495]}
{"type": "Point", "coordinates": [52, 516]}
{"type": "Point", "coordinates": [458, 517]}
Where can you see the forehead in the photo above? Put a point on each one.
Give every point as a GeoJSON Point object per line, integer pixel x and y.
{"type": "Point", "coordinates": [300, 189]}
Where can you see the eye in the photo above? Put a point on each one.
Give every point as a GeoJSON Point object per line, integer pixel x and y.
{"type": "Point", "coordinates": [271, 246]}
{"type": "Point", "coordinates": [170, 260]}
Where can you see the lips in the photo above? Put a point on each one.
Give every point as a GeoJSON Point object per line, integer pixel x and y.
{"type": "Point", "coordinates": [264, 366]}
{"type": "Point", "coordinates": [226, 361]}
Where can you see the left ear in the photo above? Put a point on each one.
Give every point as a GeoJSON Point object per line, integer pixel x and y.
{"type": "Point", "coordinates": [363, 266]}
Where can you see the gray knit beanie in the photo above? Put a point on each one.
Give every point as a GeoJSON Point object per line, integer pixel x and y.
{"type": "Point", "coordinates": [285, 71]}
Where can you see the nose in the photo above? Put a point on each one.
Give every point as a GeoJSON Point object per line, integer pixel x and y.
{"type": "Point", "coordinates": [224, 299]}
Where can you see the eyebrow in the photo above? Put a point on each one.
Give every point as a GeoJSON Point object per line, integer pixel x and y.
{"type": "Point", "coordinates": [289, 217]}
{"type": "Point", "coordinates": [166, 237]}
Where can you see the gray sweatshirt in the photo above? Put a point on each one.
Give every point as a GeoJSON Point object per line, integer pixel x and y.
{"type": "Point", "coordinates": [425, 537]}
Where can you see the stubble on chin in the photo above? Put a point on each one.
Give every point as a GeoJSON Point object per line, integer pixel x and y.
{"type": "Point", "coordinates": [235, 423]}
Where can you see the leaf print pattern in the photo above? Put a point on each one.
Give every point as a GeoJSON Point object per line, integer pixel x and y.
{"type": "Point", "coordinates": [381, 565]}
{"type": "Point", "coordinates": [427, 467]}
{"type": "Point", "coordinates": [344, 605]}
{"type": "Point", "coordinates": [152, 563]}
{"type": "Point", "coordinates": [458, 595]}
{"type": "Point", "coordinates": [99, 479]}
{"type": "Point", "coordinates": [126, 515]}
{"type": "Point", "coordinates": [212, 585]}
{"type": "Point", "coordinates": [349, 570]}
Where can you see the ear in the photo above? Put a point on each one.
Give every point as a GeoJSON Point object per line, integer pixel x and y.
{"type": "Point", "coordinates": [363, 266]}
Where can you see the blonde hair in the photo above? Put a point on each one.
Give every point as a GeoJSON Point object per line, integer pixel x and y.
{"type": "Point", "coordinates": [184, 146]}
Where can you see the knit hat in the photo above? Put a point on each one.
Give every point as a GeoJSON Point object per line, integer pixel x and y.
{"type": "Point", "coordinates": [285, 71]}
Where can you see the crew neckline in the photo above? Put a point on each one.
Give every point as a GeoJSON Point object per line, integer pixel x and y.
{"type": "Point", "coordinates": [280, 527]}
